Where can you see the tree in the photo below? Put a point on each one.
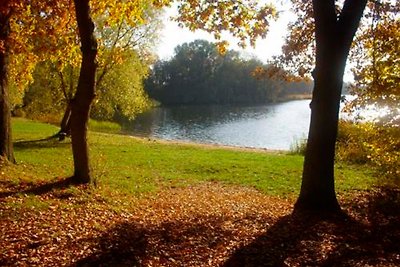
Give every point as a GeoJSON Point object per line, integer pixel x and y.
{"type": "Point", "coordinates": [121, 93]}
{"type": "Point", "coordinates": [132, 11]}
{"type": "Point", "coordinates": [43, 99]}
{"type": "Point", "coordinates": [6, 148]}
{"type": "Point", "coordinates": [340, 20]}
{"type": "Point", "coordinates": [85, 92]}
{"type": "Point", "coordinates": [125, 51]}
{"type": "Point", "coordinates": [199, 74]}
{"type": "Point", "coordinates": [334, 27]}
{"type": "Point", "coordinates": [63, 48]}
{"type": "Point", "coordinates": [243, 19]}
{"type": "Point", "coordinates": [124, 55]}
{"type": "Point", "coordinates": [334, 33]}
{"type": "Point", "coordinates": [19, 30]}
{"type": "Point", "coordinates": [377, 66]}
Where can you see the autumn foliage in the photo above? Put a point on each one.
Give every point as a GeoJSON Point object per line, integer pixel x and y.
{"type": "Point", "coordinates": [208, 223]}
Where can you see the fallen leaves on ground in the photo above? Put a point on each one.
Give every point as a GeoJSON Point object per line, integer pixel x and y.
{"type": "Point", "coordinates": [204, 225]}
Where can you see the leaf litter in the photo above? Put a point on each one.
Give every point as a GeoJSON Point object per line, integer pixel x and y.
{"type": "Point", "coordinates": [209, 224]}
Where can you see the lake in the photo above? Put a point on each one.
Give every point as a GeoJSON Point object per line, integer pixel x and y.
{"type": "Point", "coordinates": [272, 126]}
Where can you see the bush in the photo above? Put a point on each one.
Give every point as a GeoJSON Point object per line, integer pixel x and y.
{"type": "Point", "coordinates": [18, 112]}
{"type": "Point", "coordinates": [298, 147]}
{"type": "Point", "coordinates": [365, 143]}
{"type": "Point", "coordinates": [369, 143]}
{"type": "Point", "coordinates": [351, 142]}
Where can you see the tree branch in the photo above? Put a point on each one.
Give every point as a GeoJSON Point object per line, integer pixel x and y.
{"type": "Point", "coordinates": [349, 19]}
{"type": "Point", "coordinates": [325, 20]}
{"type": "Point", "coordinates": [63, 85]}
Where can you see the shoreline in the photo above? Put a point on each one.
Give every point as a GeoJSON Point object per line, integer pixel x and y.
{"type": "Point", "coordinates": [177, 142]}
{"type": "Point", "coordinates": [207, 145]}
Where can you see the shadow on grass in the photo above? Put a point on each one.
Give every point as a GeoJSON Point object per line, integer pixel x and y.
{"type": "Point", "coordinates": [370, 237]}
{"type": "Point", "coordinates": [51, 141]}
{"type": "Point", "coordinates": [39, 189]}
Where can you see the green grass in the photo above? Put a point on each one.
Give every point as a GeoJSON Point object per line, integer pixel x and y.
{"type": "Point", "coordinates": [132, 166]}
{"type": "Point", "coordinates": [25, 130]}
{"type": "Point", "coordinates": [104, 126]}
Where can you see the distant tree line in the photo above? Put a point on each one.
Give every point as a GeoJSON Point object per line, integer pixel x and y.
{"type": "Point", "coordinates": [199, 74]}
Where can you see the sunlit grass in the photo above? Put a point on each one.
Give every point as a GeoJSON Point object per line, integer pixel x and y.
{"type": "Point", "coordinates": [104, 126]}
{"type": "Point", "coordinates": [133, 166]}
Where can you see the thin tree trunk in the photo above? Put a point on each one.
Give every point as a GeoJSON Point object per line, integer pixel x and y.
{"type": "Point", "coordinates": [333, 36]}
{"type": "Point", "coordinates": [65, 125]}
{"type": "Point", "coordinates": [6, 146]}
{"type": "Point", "coordinates": [85, 93]}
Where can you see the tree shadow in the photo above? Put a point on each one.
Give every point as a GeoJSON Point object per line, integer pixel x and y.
{"type": "Point", "coordinates": [300, 240]}
{"type": "Point", "coordinates": [123, 246]}
{"type": "Point", "coordinates": [51, 141]}
{"type": "Point", "coordinates": [37, 189]}
{"type": "Point", "coordinates": [172, 243]}
{"type": "Point", "coordinates": [369, 237]}
{"type": "Point", "coordinates": [289, 240]}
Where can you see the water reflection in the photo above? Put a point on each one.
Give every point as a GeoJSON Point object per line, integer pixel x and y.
{"type": "Point", "coordinates": [274, 126]}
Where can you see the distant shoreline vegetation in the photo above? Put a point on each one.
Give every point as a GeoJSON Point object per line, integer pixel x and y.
{"type": "Point", "coordinates": [291, 97]}
{"type": "Point", "coordinates": [285, 98]}
{"type": "Point", "coordinates": [199, 75]}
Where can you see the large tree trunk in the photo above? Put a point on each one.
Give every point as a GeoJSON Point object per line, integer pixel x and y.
{"type": "Point", "coordinates": [333, 35]}
{"type": "Point", "coordinates": [85, 93]}
{"type": "Point", "coordinates": [6, 147]}
{"type": "Point", "coordinates": [317, 189]}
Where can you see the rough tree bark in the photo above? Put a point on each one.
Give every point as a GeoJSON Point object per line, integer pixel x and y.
{"type": "Point", "coordinates": [334, 34]}
{"type": "Point", "coordinates": [85, 93]}
{"type": "Point", "coordinates": [6, 146]}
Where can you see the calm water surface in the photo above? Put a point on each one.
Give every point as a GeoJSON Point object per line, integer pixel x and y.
{"type": "Point", "coordinates": [274, 126]}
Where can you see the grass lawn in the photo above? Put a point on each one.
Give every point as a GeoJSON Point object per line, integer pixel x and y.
{"type": "Point", "coordinates": [158, 203]}
{"type": "Point", "coordinates": [132, 166]}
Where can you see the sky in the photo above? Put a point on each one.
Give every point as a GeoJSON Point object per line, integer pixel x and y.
{"type": "Point", "coordinates": [173, 35]}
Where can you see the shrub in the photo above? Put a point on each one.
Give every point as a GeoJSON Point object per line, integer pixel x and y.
{"type": "Point", "coordinates": [369, 143]}
{"type": "Point", "coordinates": [298, 147]}
{"type": "Point", "coordinates": [350, 144]}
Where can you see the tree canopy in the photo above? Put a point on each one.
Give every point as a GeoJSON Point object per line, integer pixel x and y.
{"type": "Point", "coordinates": [124, 55]}
{"type": "Point", "coordinates": [243, 19]}
{"type": "Point", "coordinates": [377, 65]}
{"type": "Point", "coordinates": [199, 74]}
{"type": "Point", "coordinates": [372, 57]}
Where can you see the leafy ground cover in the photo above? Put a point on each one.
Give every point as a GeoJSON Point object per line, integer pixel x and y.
{"type": "Point", "coordinates": [166, 204]}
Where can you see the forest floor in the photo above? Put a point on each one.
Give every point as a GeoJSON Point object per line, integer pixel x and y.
{"type": "Point", "coordinates": [160, 204]}
{"type": "Point", "coordinates": [204, 225]}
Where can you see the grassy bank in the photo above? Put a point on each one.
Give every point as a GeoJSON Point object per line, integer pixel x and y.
{"type": "Point", "coordinates": [129, 165]}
